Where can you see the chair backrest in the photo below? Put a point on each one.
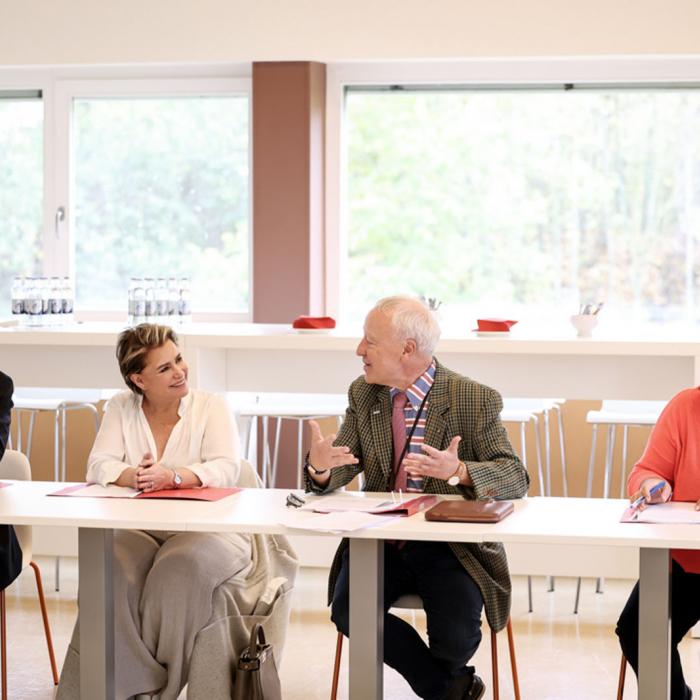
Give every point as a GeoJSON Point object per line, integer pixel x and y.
{"type": "Point", "coordinates": [248, 478]}
{"type": "Point", "coordinates": [15, 465]}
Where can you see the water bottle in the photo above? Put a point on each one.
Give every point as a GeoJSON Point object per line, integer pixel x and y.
{"type": "Point", "coordinates": [45, 293]}
{"type": "Point", "coordinates": [17, 299]}
{"type": "Point", "coordinates": [150, 295]}
{"type": "Point", "coordinates": [161, 300]}
{"type": "Point", "coordinates": [67, 300]}
{"type": "Point", "coordinates": [185, 310]}
{"type": "Point", "coordinates": [32, 302]}
{"type": "Point", "coordinates": [138, 301]}
{"type": "Point", "coordinates": [173, 299]}
{"type": "Point", "coordinates": [55, 302]}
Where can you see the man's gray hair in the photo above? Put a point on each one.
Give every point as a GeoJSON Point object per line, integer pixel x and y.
{"type": "Point", "coordinates": [411, 318]}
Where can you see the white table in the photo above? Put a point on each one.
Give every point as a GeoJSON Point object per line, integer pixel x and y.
{"type": "Point", "coordinates": [572, 522]}
{"type": "Point", "coordinates": [266, 357]}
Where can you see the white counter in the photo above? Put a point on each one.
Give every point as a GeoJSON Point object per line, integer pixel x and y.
{"type": "Point", "coordinates": [648, 363]}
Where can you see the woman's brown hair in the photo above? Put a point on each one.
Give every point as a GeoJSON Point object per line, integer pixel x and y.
{"type": "Point", "coordinates": [135, 343]}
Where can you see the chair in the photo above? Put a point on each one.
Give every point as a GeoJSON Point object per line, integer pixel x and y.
{"type": "Point", "coordinates": [15, 465]}
{"type": "Point", "coordinates": [57, 401]}
{"type": "Point", "coordinates": [628, 414]}
{"type": "Point", "coordinates": [280, 407]}
{"type": "Point", "coordinates": [413, 602]}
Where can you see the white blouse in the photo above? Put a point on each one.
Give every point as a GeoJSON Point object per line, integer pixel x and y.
{"type": "Point", "coordinates": [205, 440]}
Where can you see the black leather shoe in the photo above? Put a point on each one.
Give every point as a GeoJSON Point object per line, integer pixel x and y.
{"type": "Point", "coordinates": [467, 687]}
{"type": "Point", "coordinates": [476, 689]}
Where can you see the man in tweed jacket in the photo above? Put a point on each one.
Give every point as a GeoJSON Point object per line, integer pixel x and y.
{"type": "Point", "coordinates": [465, 442]}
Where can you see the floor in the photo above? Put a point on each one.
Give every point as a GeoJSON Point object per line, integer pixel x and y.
{"type": "Point", "coordinates": [560, 655]}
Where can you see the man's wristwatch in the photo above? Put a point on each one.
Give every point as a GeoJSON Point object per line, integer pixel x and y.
{"type": "Point", "coordinates": [313, 469]}
{"type": "Point", "coordinates": [177, 479]}
{"type": "Point", "coordinates": [457, 476]}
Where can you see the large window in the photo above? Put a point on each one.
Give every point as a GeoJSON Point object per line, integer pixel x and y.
{"type": "Point", "coordinates": [105, 176]}
{"type": "Point", "coordinates": [21, 188]}
{"type": "Point", "coordinates": [161, 190]}
{"type": "Point", "coordinates": [525, 202]}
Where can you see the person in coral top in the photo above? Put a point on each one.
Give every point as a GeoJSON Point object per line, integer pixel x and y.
{"type": "Point", "coordinates": [671, 455]}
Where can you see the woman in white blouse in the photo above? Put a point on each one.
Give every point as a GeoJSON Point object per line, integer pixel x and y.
{"type": "Point", "coordinates": [162, 435]}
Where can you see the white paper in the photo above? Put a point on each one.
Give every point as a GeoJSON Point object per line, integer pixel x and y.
{"type": "Point", "coordinates": [673, 512]}
{"type": "Point", "coordinates": [346, 503]}
{"type": "Point", "coordinates": [341, 521]}
{"type": "Point", "coordinates": [109, 491]}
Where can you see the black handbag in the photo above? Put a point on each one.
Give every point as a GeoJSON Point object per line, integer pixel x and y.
{"type": "Point", "coordinates": [256, 673]}
{"type": "Point", "coordinates": [10, 556]}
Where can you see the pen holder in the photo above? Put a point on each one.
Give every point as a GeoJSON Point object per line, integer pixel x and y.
{"type": "Point", "coordinates": [584, 324]}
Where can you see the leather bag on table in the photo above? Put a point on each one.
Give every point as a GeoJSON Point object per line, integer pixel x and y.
{"type": "Point", "coordinates": [256, 673]}
{"type": "Point", "coordinates": [464, 511]}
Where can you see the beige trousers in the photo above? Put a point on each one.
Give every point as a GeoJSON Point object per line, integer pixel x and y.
{"type": "Point", "coordinates": [164, 586]}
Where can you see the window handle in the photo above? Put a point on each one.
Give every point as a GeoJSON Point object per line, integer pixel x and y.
{"type": "Point", "coordinates": [60, 216]}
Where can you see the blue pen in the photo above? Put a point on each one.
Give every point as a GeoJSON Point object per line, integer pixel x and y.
{"type": "Point", "coordinates": [652, 492]}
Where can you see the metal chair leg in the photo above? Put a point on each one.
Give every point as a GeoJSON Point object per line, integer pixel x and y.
{"type": "Point", "coordinates": [562, 450]}
{"type": "Point", "coordinates": [336, 666]}
{"type": "Point", "coordinates": [623, 468]}
{"type": "Point", "coordinates": [621, 678]}
{"type": "Point", "coordinates": [30, 433]}
{"type": "Point", "coordinates": [609, 460]}
{"type": "Point", "coordinates": [56, 473]}
{"type": "Point", "coordinates": [578, 595]}
{"type": "Point", "coordinates": [513, 663]}
{"type": "Point", "coordinates": [45, 617]}
{"type": "Point", "coordinates": [591, 461]}
{"type": "Point", "coordinates": [538, 453]}
{"type": "Point", "coordinates": [529, 594]}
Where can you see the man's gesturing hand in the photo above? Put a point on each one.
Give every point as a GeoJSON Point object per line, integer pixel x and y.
{"type": "Point", "coordinates": [323, 454]}
{"type": "Point", "coordinates": [439, 464]}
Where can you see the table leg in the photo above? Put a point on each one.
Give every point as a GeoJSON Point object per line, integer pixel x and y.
{"type": "Point", "coordinates": [654, 624]}
{"type": "Point", "coordinates": [366, 619]}
{"type": "Point", "coordinates": [96, 601]}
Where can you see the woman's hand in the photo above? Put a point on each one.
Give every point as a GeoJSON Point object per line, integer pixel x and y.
{"type": "Point", "coordinates": [660, 496]}
{"type": "Point", "coordinates": [150, 476]}
{"type": "Point", "coordinates": [127, 478]}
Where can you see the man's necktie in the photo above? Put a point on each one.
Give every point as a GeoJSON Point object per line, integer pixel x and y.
{"type": "Point", "coordinates": [398, 431]}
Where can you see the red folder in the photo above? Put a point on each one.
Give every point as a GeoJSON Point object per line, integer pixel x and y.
{"type": "Point", "coordinates": [204, 494]}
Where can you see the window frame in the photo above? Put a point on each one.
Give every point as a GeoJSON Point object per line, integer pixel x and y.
{"type": "Point", "coordinates": [59, 87]}
{"type": "Point", "coordinates": [600, 72]}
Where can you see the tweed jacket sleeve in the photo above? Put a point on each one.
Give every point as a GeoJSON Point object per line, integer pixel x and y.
{"type": "Point", "coordinates": [496, 471]}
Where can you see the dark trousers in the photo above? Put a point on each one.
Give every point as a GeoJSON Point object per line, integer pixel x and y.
{"type": "Point", "coordinates": [452, 603]}
{"type": "Point", "coordinates": [685, 612]}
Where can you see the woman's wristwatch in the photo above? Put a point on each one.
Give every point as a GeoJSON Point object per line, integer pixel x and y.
{"type": "Point", "coordinates": [177, 479]}
{"type": "Point", "coordinates": [457, 477]}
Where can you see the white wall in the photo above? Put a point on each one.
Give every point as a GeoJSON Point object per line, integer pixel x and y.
{"type": "Point", "coordinates": [51, 32]}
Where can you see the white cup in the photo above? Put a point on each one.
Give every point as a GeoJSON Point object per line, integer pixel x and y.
{"type": "Point", "coordinates": [584, 324]}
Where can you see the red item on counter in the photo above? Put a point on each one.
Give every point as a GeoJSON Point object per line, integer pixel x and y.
{"type": "Point", "coordinates": [313, 322]}
{"type": "Point", "coordinates": [494, 325]}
